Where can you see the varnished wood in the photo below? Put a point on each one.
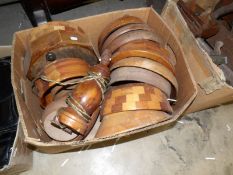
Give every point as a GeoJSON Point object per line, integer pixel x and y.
{"type": "Point", "coordinates": [148, 45]}
{"type": "Point", "coordinates": [120, 22]}
{"type": "Point", "coordinates": [149, 65]}
{"type": "Point", "coordinates": [121, 122]}
{"type": "Point", "coordinates": [56, 37]}
{"type": "Point", "coordinates": [131, 36]}
{"type": "Point", "coordinates": [87, 97]}
{"type": "Point", "coordinates": [134, 96]}
{"type": "Point", "coordinates": [60, 71]}
{"type": "Point", "coordinates": [129, 74]}
{"type": "Point", "coordinates": [142, 53]}
{"type": "Point", "coordinates": [123, 30]}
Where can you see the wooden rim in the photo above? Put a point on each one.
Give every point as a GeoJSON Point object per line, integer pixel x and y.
{"type": "Point", "coordinates": [142, 53]}
{"type": "Point", "coordinates": [60, 71]}
{"type": "Point", "coordinates": [149, 65]}
{"type": "Point", "coordinates": [129, 37]}
{"type": "Point", "coordinates": [134, 96]}
{"type": "Point", "coordinates": [118, 123]}
{"type": "Point", "coordinates": [120, 22]}
{"type": "Point", "coordinates": [127, 74]}
{"type": "Point", "coordinates": [123, 30]}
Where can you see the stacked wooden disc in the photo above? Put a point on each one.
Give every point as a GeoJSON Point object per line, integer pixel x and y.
{"type": "Point", "coordinates": [61, 54]}
{"type": "Point", "coordinates": [142, 77]}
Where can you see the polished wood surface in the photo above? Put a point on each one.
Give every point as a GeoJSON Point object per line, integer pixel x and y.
{"type": "Point", "coordinates": [129, 74]}
{"type": "Point", "coordinates": [134, 96]}
{"type": "Point", "coordinates": [60, 38]}
{"type": "Point", "coordinates": [142, 53]}
{"type": "Point", "coordinates": [60, 71]}
{"type": "Point", "coordinates": [121, 122]}
{"type": "Point", "coordinates": [131, 36]}
{"type": "Point", "coordinates": [148, 65]}
{"type": "Point", "coordinates": [144, 44]}
{"type": "Point", "coordinates": [116, 25]}
{"type": "Point", "coordinates": [85, 99]}
{"type": "Point", "coordinates": [123, 30]}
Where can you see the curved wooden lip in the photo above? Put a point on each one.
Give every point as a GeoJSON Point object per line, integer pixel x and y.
{"type": "Point", "coordinates": [116, 123]}
{"type": "Point", "coordinates": [142, 53]}
{"type": "Point", "coordinates": [149, 65]}
{"type": "Point", "coordinates": [120, 22]}
{"type": "Point", "coordinates": [138, 74]}
{"type": "Point", "coordinates": [123, 30]}
{"type": "Point", "coordinates": [143, 44]}
{"type": "Point", "coordinates": [160, 103]}
{"type": "Point", "coordinates": [60, 71]}
{"type": "Point", "coordinates": [36, 57]}
{"type": "Point", "coordinates": [129, 37]}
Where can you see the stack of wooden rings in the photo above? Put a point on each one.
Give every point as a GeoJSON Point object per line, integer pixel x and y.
{"type": "Point", "coordinates": [142, 77]}
{"type": "Point", "coordinates": [67, 79]}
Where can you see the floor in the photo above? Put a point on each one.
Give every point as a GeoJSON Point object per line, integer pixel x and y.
{"type": "Point", "coordinates": [199, 143]}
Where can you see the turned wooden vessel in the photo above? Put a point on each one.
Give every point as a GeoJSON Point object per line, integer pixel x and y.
{"type": "Point", "coordinates": [123, 30]}
{"type": "Point", "coordinates": [127, 121]}
{"type": "Point", "coordinates": [149, 54]}
{"type": "Point", "coordinates": [131, 36]}
{"type": "Point", "coordinates": [132, 106]}
{"type": "Point", "coordinates": [134, 96]}
{"type": "Point", "coordinates": [147, 64]}
{"type": "Point", "coordinates": [59, 72]}
{"type": "Point", "coordinates": [85, 98]}
{"type": "Point", "coordinates": [125, 20]}
{"type": "Point", "coordinates": [131, 74]}
{"type": "Point", "coordinates": [57, 40]}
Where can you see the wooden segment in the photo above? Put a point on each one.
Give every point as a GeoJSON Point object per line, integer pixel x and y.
{"type": "Point", "coordinates": [60, 71]}
{"type": "Point", "coordinates": [129, 74]}
{"type": "Point", "coordinates": [132, 93]}
{"type": "Point", "coordinates": [149, 45]}
{"type": "Point", "coordinates": [116, 25]}
{"type": "Point", "coordinates": [57, 37]}
{"type": "Point", "coordinates": [149, 65]}
{"type": "Point", "coordinates": [127, 121]}
{"type": "Point", "coordinates": [120, 55]}
{"type": "Point", "coordinates": [129, 37]}
{"type": "Point", "coordinates": [123, 30]}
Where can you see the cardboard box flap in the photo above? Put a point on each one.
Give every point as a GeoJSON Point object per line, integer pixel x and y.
{"type": "Point", "coordinates": [209, 77]}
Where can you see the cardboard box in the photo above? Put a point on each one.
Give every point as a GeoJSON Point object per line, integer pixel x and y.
{"type": "Point", "coordinates": [212, 87]}
{"type": "Point", "coordinates": [21, 155]}
{"type": "Point", "coordinates": [28, 104]}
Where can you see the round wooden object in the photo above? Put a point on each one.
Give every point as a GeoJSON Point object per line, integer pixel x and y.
{"type": "Point", "coordinates": [149, 65]}
{"type": "Point", "coordinates": [121, 122]}
{"type": "Point", "coordinates": [59, 71]}
{"type": "Point", "coordinates": [48, 115]}
{"type": "Point", "coordinates": [119, 55]}
{"type": "Point", "coordinates": [116, 25]}
{"type": "Point", "coordinates": [149, 45]}
{"type": "Point", "coordinates": [134, 96]}
{"type": "Point", "coordinates": [123, 30]}
{"type": "Point", "coordinates": [129, 74]}
{"type": "Point", "coordinates": [131, 36]}
{"type": "Point", "coordinates": [60, 38]}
